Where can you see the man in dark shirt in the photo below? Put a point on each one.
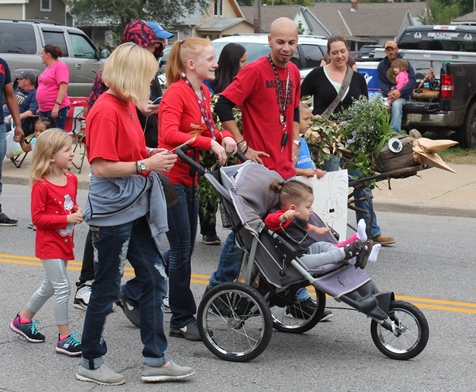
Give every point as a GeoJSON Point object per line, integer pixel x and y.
{"type": "Point", "coordinates": [26, 97]}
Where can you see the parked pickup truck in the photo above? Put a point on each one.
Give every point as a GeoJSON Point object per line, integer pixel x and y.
{"type": "Point", "coordinates": [446, 100]}
{"type": "Point", "coordinates": [21, 42]}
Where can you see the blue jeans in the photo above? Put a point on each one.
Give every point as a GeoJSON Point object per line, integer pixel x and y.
{"type": "Point", "coordinates": [229, 264]}
{"type": "Point", "coordinates": [112, 246]}
{"type": "Point", "coordinates": [397, 108]}
{"type": "Point", "coordinates": [60, 121]}
{"type": "Point", "coordinates": [3, 151]}
{"type": "Point", "coordinates": [182, 221]}
{"type": "Point", "coordinates": [374, 230]}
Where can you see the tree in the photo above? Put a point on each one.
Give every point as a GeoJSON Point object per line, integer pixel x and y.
{"type": "Point", "coordinates": [120, 12]}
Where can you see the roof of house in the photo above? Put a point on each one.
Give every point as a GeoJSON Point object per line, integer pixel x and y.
{"type": "Point", "coordinates": [471, 17]}
{"type": "Point", "coordinates": [338, 19]}
{"type": "Point", "coordinates": [220, 23]}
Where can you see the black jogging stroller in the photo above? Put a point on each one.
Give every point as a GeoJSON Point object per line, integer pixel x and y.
{"type": "Point", "coordinates": [236, 319]}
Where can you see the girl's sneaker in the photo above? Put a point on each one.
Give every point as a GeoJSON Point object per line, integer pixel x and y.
{"type": "Point", "coordinates": [69, 346]}
{"type": "Point", "coordinates": [27, 331]}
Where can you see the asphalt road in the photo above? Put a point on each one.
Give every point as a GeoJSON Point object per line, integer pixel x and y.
{"type": "Point", "coordinates": [431, 265]}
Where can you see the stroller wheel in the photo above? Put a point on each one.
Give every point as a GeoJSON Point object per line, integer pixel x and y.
{"type": "Point", "coordinates": [234, 322]}
{"type": "Point", "coordinates": [297, 318]}
{"type": "Point", "coordinates": [406, 334]}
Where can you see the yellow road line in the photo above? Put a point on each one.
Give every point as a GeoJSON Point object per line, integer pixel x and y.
{"type": "Point", "coordinates": [424, 303]}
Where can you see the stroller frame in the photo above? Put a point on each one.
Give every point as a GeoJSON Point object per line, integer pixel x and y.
{"type": "Point", "coordinates": [236, 319]}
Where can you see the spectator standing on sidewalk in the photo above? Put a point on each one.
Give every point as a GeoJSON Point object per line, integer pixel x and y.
{"type": "Point", "coordinates": [12, 104]}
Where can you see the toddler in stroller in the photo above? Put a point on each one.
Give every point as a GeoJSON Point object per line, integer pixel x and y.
{"type": "Point", "coordinates": [291, 222]}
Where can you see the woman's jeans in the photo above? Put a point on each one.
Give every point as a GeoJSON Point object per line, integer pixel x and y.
{"type": "Point", "coordinates": [182, 221]}
{"type": "Point", "coordinates": [60, 121]}
{"type": "Point", "coordinates": [112, 246]}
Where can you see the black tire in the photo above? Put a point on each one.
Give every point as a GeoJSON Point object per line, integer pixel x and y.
{"type": "Point", "coordinates": [467, 132]}
{"type": "Point", "coordinates": [411, 332]}
{"type": "Point", "coordinates": [234, 322]}
{"type": "Point", "coordinates": [292, 319]}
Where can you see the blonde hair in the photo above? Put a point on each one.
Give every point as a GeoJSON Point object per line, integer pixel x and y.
{"type": "Point", "coordinates": [181, 52]}
{"type": "Point", "coordinates": [291, 192]}
{"type": "Point", "coordinates": [128, 72]}
{"type": "Point", "coordinates": [304, 106]}
{"type": "Point", "coordinates": [47, 144]}
{"type": "Point", "coordinates": [401, 64]}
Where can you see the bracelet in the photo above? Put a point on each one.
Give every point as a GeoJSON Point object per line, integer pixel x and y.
{"type": "Point", "coordinates": [244, 152]}
{"type": "Point", "coordinates": [58, 103]}
{"type": "Point", "coordinates": [150, 151]}
{"type": "Point", "coordinates": [243, 141]}
{"type": "Point", "coordinates": [244, 148]}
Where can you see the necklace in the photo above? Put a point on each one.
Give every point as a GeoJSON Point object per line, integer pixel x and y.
{"type": "Point", "coordinates": [205, 115]}
{"type": "Point", "coordinates": [123, 102]}
{"type": "Point", "coordinates": [283, 101]}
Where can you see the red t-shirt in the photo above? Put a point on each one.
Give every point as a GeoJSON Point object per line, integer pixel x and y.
{"type": "Point", "coordinates": [50, 206]}
{"type": "Point", "coordinates": [254, 90]}
{"type": "Point", "coordinates": [109, 118]}
{"type": "Point", "coordinates": [179, 120]}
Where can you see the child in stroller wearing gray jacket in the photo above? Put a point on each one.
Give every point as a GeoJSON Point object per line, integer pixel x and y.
{"type": "Point", "coordinates": [291, 222]}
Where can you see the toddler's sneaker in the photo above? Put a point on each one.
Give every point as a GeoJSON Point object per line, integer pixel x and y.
{"type": "Point", "coordinates": [83, 293]}
{"type": "Point", "coordinates": [69, 346]}
{"type": "Point", "coordinates": [27, 331]}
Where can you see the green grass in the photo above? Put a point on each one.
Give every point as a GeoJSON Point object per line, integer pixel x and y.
{"type": "Point", "coordinates": [459, 155]}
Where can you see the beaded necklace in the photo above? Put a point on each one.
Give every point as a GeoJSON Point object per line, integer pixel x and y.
{"type": "Point", "coordinates": [283, 101]}
{"type": "Point", "coordinates": [205, 115]}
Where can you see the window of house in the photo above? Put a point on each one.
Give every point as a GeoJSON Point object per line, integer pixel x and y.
{"type": "Point", "coordinates": [45, 5]}
{"type": "Point", "coordinates": [218, 7]}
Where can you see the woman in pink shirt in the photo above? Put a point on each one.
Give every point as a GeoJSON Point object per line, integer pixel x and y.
{"type": "Point", "coordinates": [53, 82]}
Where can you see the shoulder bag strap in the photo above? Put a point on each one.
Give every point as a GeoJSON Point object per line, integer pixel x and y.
{"type": "Point", "coordinates": [345, 84]}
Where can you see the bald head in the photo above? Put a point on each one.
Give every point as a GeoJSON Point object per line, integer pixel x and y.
{"type": "Point", "coordinates": [283, 26]}
{"type": "Point", "coordinates": [283, 40]}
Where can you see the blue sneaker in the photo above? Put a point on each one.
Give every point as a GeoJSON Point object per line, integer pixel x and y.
{"type": "Point", "coordinates": [69, 346]}
{"type": "Point", "coordinates": [27, 331]}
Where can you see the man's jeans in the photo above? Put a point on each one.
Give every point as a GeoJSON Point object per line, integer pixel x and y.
{"type": "Point", "coordinates": [112, 246]}
{"type": "Point", "coordinates": [60, 121]}
{"type": "Point", "coordinates": [182, 221]}
{"type": "Point", "coordinates": [367, 205]}
{"type": "Point", "coordinates": [397, 108]}
{"type": "Point", "coordinates": [229, 264]}
{"type": "Point", "coordinates": [3, 151]}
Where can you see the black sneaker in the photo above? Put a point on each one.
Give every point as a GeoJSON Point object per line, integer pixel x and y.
{"type": "Point", "coordinates": [302, 310]}
{"type": "Point", "coordinates": [69, 346]}
{"type": "Point", "coordinates": [189, 331]}
{"type": "Point", "coordinates": [131, 311]}
{"type": "Point", "coordinates": [27, 331]}
{"type": "Point", "coordinates": [219, 305]}
{"type": "Point", "coordinates": [211, 240]}
{"type": "Point", "coordinates": [326, 316]}
{"type": "Point", "coordinates": [6, 221]}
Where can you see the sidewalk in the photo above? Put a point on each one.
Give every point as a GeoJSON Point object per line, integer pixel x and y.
{"type": "Point", "coordinates": [430, 192]}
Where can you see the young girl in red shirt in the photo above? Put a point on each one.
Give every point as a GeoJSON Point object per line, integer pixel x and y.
{"type": "Point", "coordinates": [55, 213]}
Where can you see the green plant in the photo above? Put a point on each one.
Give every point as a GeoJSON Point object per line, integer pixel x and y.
{"type": "Point", "coordinates": [365, 128]}
{"type": "Point", "coordinates": [324, 138]}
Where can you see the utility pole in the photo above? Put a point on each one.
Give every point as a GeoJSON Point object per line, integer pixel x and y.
{"type": "Point", "coordinates": [427, 12]}
{"type": "Point", "coordinates": [257, 18]}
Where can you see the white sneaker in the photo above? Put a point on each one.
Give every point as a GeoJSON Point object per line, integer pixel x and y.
{"type": "Point", "coordinates": [83, 293]}
{"type": "Point", "coordinates": [166, 305]}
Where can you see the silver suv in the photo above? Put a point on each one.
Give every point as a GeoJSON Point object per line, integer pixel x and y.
{"type": "Point", "coordinates": [309, 53]}
{"type": "Point", "coordinates": [21, 42]}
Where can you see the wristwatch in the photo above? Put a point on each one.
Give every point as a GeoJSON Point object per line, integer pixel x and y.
{"type": "Point", "coordinates": [140, 167]}
{"type": "Point", "coordinates": [297, 143]}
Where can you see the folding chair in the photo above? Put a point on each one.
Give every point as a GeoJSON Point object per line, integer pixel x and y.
{"type": "Point", "coordinates": [76, 126]}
